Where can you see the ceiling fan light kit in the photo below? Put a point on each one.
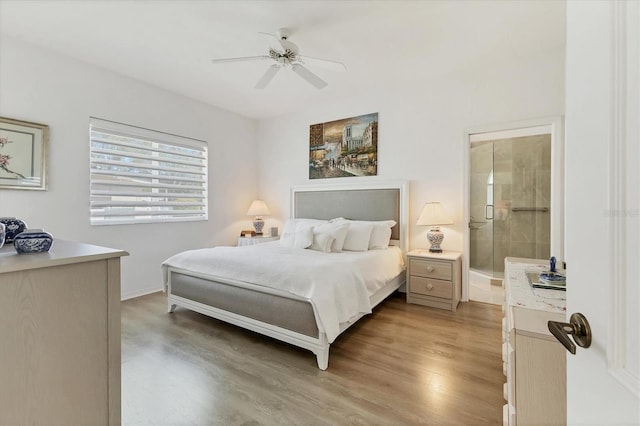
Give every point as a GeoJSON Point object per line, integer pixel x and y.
{"type": "Point", "coordinates": [288, 57]}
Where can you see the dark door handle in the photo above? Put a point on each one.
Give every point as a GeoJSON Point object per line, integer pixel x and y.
{"type": "Point", "coordinates": [578, 327]}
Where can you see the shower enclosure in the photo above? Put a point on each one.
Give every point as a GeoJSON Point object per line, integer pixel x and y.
{"type": "Point", "coordinates": [510, 200]}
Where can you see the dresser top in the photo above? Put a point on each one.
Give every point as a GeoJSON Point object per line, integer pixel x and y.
{"type": "Point", "coordinates": [61, 253]}
{"type": "Point", "coordinates": [519, 292]}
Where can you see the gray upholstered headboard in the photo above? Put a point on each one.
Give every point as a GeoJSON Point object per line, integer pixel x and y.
{"type": "Point", "coordinates": [381, 201]}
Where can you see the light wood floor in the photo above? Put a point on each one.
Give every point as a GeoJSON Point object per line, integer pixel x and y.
{"type": "Point", "coordinates": [405, 364]}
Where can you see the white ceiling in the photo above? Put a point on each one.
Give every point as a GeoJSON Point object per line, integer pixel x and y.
{"type": "Point", "coordinates": [170, 43]}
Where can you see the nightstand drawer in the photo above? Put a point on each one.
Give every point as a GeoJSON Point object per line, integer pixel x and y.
{"type": "Point", "coordinates": [430, 269]}
{"type": "Point", "coordinates": [430, 287]}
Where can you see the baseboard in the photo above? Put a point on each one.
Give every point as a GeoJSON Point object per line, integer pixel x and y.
{"type": "Point", "coordinates": [139, 293]}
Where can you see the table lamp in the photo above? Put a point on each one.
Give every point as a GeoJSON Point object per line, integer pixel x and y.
{"type": "Point", "coordinates": [258, 208]}
{"type": "Point", "coordinates": [433, 215]}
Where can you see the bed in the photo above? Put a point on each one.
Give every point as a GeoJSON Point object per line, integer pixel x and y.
{"type": "Point", "coordinates": [277, 301]}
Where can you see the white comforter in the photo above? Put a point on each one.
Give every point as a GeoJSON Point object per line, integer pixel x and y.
{"type": "Point", "coordinates": [338, 285]}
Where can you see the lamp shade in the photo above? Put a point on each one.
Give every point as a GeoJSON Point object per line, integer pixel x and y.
{"type": "Point", "coordinates": [258, 208]}
{"type": "Point", "coordinates": [433, 214]}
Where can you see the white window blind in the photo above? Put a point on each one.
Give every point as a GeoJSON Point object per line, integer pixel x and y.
{"type": "Point", "coordinates": [142, 176]}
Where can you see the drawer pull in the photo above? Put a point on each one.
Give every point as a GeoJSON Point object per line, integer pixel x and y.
{"type": "Point", "coordinates": [430, 269]}
{"type": "Point", "coordinates": [429, 286]}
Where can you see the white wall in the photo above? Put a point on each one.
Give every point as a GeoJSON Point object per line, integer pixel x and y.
{"type": "Point", "coordinates": [39, 86]}
{"type": "Point", "coordinates": [421, 127]}
{"type": "Point", "coordinates": [420, 132]}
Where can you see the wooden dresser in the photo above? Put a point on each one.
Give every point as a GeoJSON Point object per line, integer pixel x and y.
{"type": "Point", "coordinates": [534, 361]}
{"type": "Point", "coordinates": [60, 335]}
{"type": "Point", "coordinates": [433, 279]}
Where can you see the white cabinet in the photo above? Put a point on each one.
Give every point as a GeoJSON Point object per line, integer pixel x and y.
{"type": "Point", "coordinates": [534, 361]}
{"type": "Point", "coordinates": [60, 335]}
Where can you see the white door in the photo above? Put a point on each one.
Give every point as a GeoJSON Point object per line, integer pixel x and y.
{"type": "Point", "coordinates": [602, 208]}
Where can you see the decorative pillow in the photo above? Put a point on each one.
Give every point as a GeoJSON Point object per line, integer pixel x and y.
{"type": "Point", "coordinates": [290, 225]}
{"type": "Point", "coordinates": [358, 236]}
{"type": "Point", "coordinates": [302, 237]}
{"type": "Point", "coordinates": [322, 242]}
{"type": "Point", "coordinates": [287, 239]}
{"type": "Point", "coordinates": [337, 230]}
{"type": "Point", "coordinates": [381, 234]}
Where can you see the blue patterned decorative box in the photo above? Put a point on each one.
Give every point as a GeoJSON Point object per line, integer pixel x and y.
{"type": "Point", "coordinates": [13, 226]}
{"type": "Point", "coordinates": [33, 241]}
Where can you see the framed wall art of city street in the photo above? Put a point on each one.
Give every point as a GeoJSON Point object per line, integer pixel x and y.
{"type": "Point", "coordinates": [23, 154]}
{"type": "Point", "coordinates": [344, 148]}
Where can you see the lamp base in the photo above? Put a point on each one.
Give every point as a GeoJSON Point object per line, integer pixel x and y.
{"type": "Point", "coordinates": [435, 238]}
{"type": "Point", "coordinates": [258, 224]}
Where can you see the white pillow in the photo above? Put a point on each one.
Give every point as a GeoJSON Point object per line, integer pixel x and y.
{"type": "Point", "coordinates": [358, 236]}
{"type": "Point", "coordinates": [381, 234]}
{"type": "Point", "coordinates": [290, 225]}
{"type": "Point", "coordinates": [322, 242]}
{"type": "Point", "coordinates": [337, 230]}
{"type": "Point", "coordinates": [287, 239]}
{"type": "Point", "coordinates": [302, 237]}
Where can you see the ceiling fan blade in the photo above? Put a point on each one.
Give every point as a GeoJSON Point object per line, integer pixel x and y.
{"type": "Point", "coordinates": [267, 76]}
{"type": "Point", "coordinates": [316, 81]}
{"type": "Point", "coordinates": [241, 59]}
{"type": "Point", "coordinates": [323, 63]}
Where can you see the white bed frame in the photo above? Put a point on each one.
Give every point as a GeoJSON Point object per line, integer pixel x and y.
{"type": "Point", "coordinates": [320, 345]}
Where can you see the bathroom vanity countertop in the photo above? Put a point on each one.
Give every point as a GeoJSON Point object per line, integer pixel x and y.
{"type": "Point", "coordinates": [535, 362]}
{"type": "Point", "coordinates": [520, 294]}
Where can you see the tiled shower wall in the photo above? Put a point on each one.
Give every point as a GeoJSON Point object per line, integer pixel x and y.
{"type": "Point", "coordinates": [521, 178]}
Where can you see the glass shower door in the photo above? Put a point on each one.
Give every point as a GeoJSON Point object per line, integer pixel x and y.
{"type": "Point", "coordinates": [510, 201]}
{"type": "Point", "coordinates": [481, 207]}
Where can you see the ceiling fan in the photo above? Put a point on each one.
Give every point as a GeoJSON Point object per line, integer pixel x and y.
{"type": "Point", "coordinates": [289, 56]}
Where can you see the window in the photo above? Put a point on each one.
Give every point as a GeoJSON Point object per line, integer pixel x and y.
{"type": "Point", "coordinates": [143, 176]}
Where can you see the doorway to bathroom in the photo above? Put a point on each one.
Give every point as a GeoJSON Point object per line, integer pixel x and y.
{"type": "Point", "coordinates": [512, 201]}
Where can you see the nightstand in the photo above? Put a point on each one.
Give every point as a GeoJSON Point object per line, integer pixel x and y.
{"type": "Point", "coordinates": [250, 241]}
{"type": "Point", "coordinates": [434, 279]}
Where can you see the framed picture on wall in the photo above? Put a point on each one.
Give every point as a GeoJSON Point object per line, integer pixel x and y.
{"type": "Point", "coordinates": [344, 148]}
{"type": "Point", "coordinates": [23, 154]}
